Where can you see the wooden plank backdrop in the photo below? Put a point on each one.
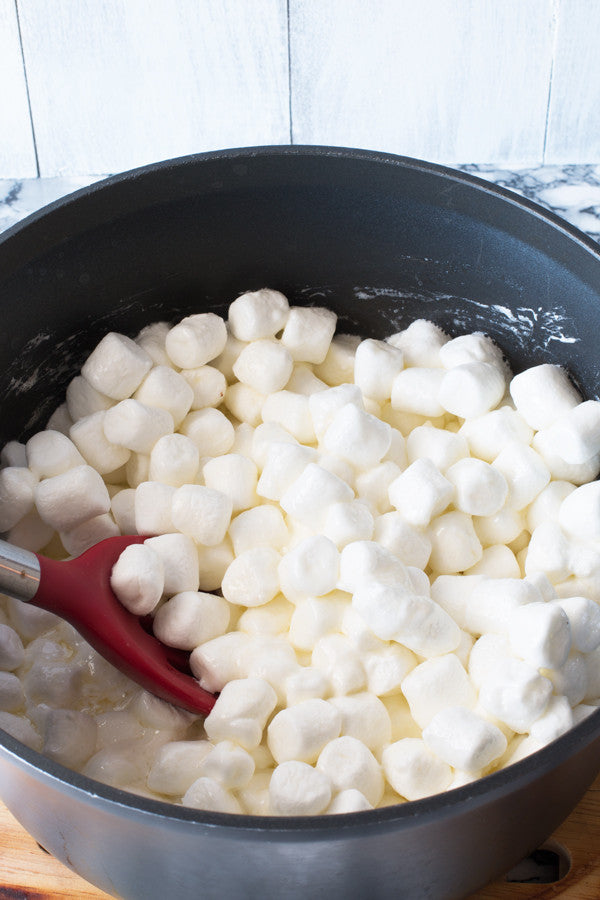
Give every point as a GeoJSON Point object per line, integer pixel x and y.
{"type": "Point", "coordinates": [117, 83]}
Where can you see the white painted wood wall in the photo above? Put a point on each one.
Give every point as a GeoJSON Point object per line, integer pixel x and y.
{"type": "Point", "coordinates": [100, 86]}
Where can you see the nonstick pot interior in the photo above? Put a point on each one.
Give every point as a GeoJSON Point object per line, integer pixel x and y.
{"type": "Point", "coordinates": [381, 240]}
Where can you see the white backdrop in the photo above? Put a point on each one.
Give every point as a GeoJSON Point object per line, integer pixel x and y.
{"type": "Point", "coordinates": [99, 86]}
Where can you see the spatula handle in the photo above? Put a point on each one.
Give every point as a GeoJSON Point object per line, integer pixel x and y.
{"type": "Point", "coordinates": [19, 572]}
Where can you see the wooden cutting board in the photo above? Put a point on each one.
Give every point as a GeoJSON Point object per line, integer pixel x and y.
{"type": "Point", "coordinates": [28, 873]}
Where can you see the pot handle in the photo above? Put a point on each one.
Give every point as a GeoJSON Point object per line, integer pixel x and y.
{"type": "Point", "coordinates": [19, 572]}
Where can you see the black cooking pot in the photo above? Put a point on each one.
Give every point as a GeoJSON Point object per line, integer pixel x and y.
{"type": "Point", "coordinates": [381, 240]}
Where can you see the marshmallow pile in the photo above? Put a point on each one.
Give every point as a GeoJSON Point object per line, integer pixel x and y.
{"type": "Point", "coordinates": [384, 556]}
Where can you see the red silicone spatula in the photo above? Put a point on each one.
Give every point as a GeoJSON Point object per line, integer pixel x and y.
{"type": "Point", "coordinates": [79, 591]}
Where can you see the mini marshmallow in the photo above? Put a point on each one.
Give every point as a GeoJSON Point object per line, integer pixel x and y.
{"type": "Point", "coordinates": [556, 720]}
{"type": "Point", "coordinates": [338, 466]}
{"type": "Point", "coordinates": [417, 390]}
{"type": "Point", "coordinates": [589, 678]}
{"type": "Point", "coordinates": [235, 476]}
{"type": "Point", "coordinates": [174, 460]}
{"type": "Point", "coordinates": [308, 333]}
{"type": "Point", "coordinates": [12, 695]}
{"type": "Point", "coordinates": [18, 488]}
{"type": "Point", "coordinates": [313, 618]}
{"type": "Point", "coordinates": [387, 668]}
{"type": "Point", "coordinates": [356, 629]}
{"type": "Point", "coordinates": [244, 403]}
{"type": "Point", "coordinates": [90, 439]}
{"type": "Point", "coordinates": [208, 794]}
{"type": "Point", "coordinates": [454, 543]}
{"type": "Point", "coordinates": [292, 411]}
{"type": "Point", "coordinates": [325, 405]}
{"type": "Point", "coordinates": [266, 365]}
{"type": "Point", "coordinates": [210, 430]}
{"type": "Point", "coordinates": [413, 770]}
{"type": "Point", "coordinates": [12, 653]}
{"type": "Point", "coordinates": [303, 730]}
{"type": "Point", "coordinates": [122, 507]}
{"type": "Point", "coordinates": [488, 656]}
{"type": "Point", "coordinates": [176, 766]}
{"type": "Point", "coordinates": [472, 389]}
{"type": "Point", "coordinates": [338, 659]}
{"type": "Point", "coordinates": [540, 634]}
{"type": "Point", "coordinates": [69, 737]}
{"type": "Point", "coordinates": [469, 348]}
{"type": "Point", "coordinates": [285, 462]}
{"type": "Point", "coordinates": [117, 366]}
{"type": "Point", "coordinates": [525, 474]}
{"type": "Point", "coordinates": [421, 343]}
{"type": "Point", "coordinates": [489, 434]}
{"type": "Point", "coordinates": [208, 385]}
{"type": "Point", "coordinates": [348, 522]}
{"type": "Point", "coordinates": [14, 453]}
{"type": "Point", "coordinates": [501, 528]}
{"type": "Point", "coordinates": [191, 618]}
{"type": "Point", "coordinates": [436, 444]}
{"type": "Point", "coordinates": [579, 514]}
{"type": "Point", "coordinates": [261, 526]}
{"type": "Point", "coordinates": [258, 314]}
{"type": "Point", "coordinates": [548, 552]}
{"type": "Point", "coordinates": [308, 497]}
{"type": "Point", "coordinates": [31, 532]}
{"type": "Point", "coordinates": [138, 579]}
{"type": "Point", "coordinates": [348, 763]}
{"type": "Point", "coordinates": [463, 739]}
{"type": "Point", "coordinates": [272, 658]}
{"type": "Point", "coordinates": [252, 579]}
{"type": "Point", "coordinates": [297, 789]}
{"type": "Point", "coordinates": [137, 469]}
{"type": "Point", "coordinates": [166, 389]}
{"type": "Point", "coordinates": [365, 562]}
{"type": "Point", "coordinates": [397, 450]}
{"type": "Point", "coordinates": [348, 801]}
{"type": "Point", "coordinates": [480, 489]}
{"type": "Point", "coordinates": [202, 513]}
{"type": "Point", "coordinates": [83, 536]}
{"type": "Point", "coordinates": [311, 568]}
{"type": "Point", "coordinates": [542, 394]}
{"type": "Point", "coordinates": [213, 562]}
{"type": "Point", "coordinates": [241, 712]}
{"type": "Point", "coordinates": [51, 453]}
{"type": "Point", "coordinates": [273, 618]}
{"type": "Point", "coordinates": [407, 543]}
{"type": "Point", "coordinates": [517, 694]}
{"type": "Point", "coordinates": [180, 561]}
{"type": "Point", "coordinates": [372, 486]}
{"type": "Point", "coordinates": [546, 505]}
{"type": "Point", "coordinates": [584, 621]}
{"type": "Point", "coordinates": [136, 426]}
{"type": "Point", "coordinates": [305, 684]}
{"type": "Point", "coordinates": [576, 434]}
{"type": "Point", "coordinates": [60, 420]}
{"type": "Point", "coordinates": [65, 501]}
{"type": "Point", "coordinates": [153, 502]}
{"type": "Point", "coordinates": [304, 381]}
{"type": "Point", "coordinates": [221, 660]}
{"type": "Point", "coordinates": [264, 435]}
{"type": "Point", "coordinates": [497, 561]}
{"type": "Point", "coordinates": [338, 365]}
{"type": "Point", "coordinates": [196, 340]}
{"type": "Point", "coordinates": [420, 492]}
{"type": "Point", "coordinates": [544, 443]}
{"type": "Point", "coordinates": [376, 364]}
{"type": "Point", "coordinates": [152, 339]}
{"type": "Point", "coordinates": [403, 724]}
{"type": "Point", "coordinates": [437, 684]}
{"type": "Point", "coordinates": [229, 764]}
{"type": "Point", "coordinates": [493, 603]}
{"type": "Point", "coordinates": [365, 718]}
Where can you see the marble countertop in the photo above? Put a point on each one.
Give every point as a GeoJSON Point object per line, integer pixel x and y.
{"type": "Point", "coordinates": [571, 191]}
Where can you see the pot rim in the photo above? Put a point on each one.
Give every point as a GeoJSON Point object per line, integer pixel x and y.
{"type": "Point", "coordinates": [468, 797]}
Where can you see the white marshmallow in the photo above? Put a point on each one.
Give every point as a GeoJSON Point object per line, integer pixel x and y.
{"type": "Point", "coordinates": [291, 411]}
{"type": "Point", "coordinates": [581, 679]}
{"type": "Point", "coordinates": [305, 684]}
{"type": "Point", "coordinates": [493, 603]}
{"type": "Point", "coordinates": [210, 430]}
{"type": "Point", "coordinates": [264, 435]}
{"type": "Point", "coordinates": [440, 446]}
{"type": "Point", "coordinates": [412, 547]}
{"type": "Point", "coordinates": [152, 339]}
{"type": "Point", "coordinates": [213, 562]}
{"type": "Point", "coordinates": [365, 718]}
{"type": "Point", "coordinates": [540, 634]}
{"type": "Point", "coordinates": [14, 454]}
{"type": "Point", "coordinates": [517, 694]}
{"type": "Point", "coordinates": [180, 561]}
{"type": "Point", "coordinates": [191, 618]}
{"type": "Point", "coordinates": [387, 668]}
{"type": "Point", "coordinates": [176, 766]}
{"type": "Point", "coordinates": [18, 488]}
{"type": "Point", "coordinates": [338, 365]}
{"type": "Point", "coordinates": [51, 453]}
{"type": "Point", "coordinates": [241, 712]}
{"type": "Point", "coordinates": [208, 794]}
{"type": "Point", "coordinates": [435, 685]}
{"type": "Point", "coordinates": [584, 621]}
{"type": "Point", "coordinates": [285, 462]}
{"type": "Point", "coordinates": [208, 385]}
{"type": "Point", "coordinates": [244, 403]}
{"type": "Point", "coordinates": [252, 579]}
{"type": "Point", "coordinates": [547, 504]}
{"type": "Point", "coordinates": [469, 348]}
{"type": "Point", "coordinates": [308, 497]}
{"type": "Point", "coordinates": [397, 450]}
{"type": "Point", "coordinates": [220, 661]}
{"type": "Point", "coordinates": [258, 314]}
{"type": "Point", "coordinates": [454, 543]}
{"type": "Point", "coordinates": [349, 801]}
{"type": "Point", "coordinates": [420, 493]}
{"type": "Point", "coordinates": [60, 420]}
{"type": "Point", "coordinates": [138, 579]}
{"type": "Point", "coordinates": [313, 618]}
{"type": "Point", "coordinates": [229, 764]}
{"type": "Point", "coordinates": [501, 528]}
{"type": "Point", "coordinates": [196, 340]}
{"type": "Point", "coordinates": [453, 592]}
{"type": "Point", "coordinates": [576, 434]}
{"type": "Point", "coordinates": [224, 362]}
{"type": "Point", "coordinates": [488, 656]}
{"type": "Point", "coordinates": [310, 568]}
{"type": "Point", "coordinates": [12, 695]}
{"type": "Point", "coordinates": [417, 390]}
{"type": "Point", "coordinates": [261, 526]}
{"type": "Point", "coordinates": [365, 562]}
{"type": "Point", "coordinates": [472, 389]}
{"type": "Point", "coordinates": [542, 394]}
{"type": "Point", "coordinates": [348, 522]}
{"type": "Point", "coordinates": [83, 400]}
{"type": "Point", "coordinates": [164, 388]}
{"type": "Point", "coordinates": [266, 365]}
{"type": "Point", "coordinates": [463, 739]}
{"type": "Point", "coordinates": [577, 473]}
{"type": "Point", "coordinates": [85, 535]}
{"type": "Point", "coordinates": [153, 508]}
{"type": "Point", "coordinates": [338, 466]}
{"type": "Point", "coordinates": [337, 657]}
{"type": "Point", "coordinates": [69, 737]}
{"type": "Point", "coordinates": [122, 507]}
{"type": "Point", "coordinates": [376, 364]}
{"type": "Point", "coordinates": [30, 532]}
{"type": "Point", "coordinates": [413, 770]}
{"type": "Point", "coordinates": [235, 476]}
{"type": "Point", "coordinates": [88, 436]}
{"type": "Point", "coordinates": [304, 381]}
{"type": "Point", "coordinates": [525, 474]}
{"type": "Point", "coordinates": [548, 552]}
{"type": "Point", "coordinates": [325, 405]}
{"type": "Point", "coordinates": [372, 485]}
{"type": "Point", "coordinates": [497, 561]}
{"type": "Point", "coordinates": [556, 720]}
{"type": "Point", "coordinates": [117, 366]}
{"type": "Point", "coordinates": [297, 789]}
{"type": "Point", "coordinates": [489, 434]}
{"type": "Point", "coordinates": [136, 426]}
{"type": "Point", "coordinates": [202, 513]}
{"type": "Point", "coordinates": [579, 514]}
{"type": "Point", "coordinates": [480, 489]}
{"type": "Point", "coordinates": [174, 460]}
{"type": "Point", "coordinates": [272, 658]}
{"type": "Point", "coordinates": [12, 653]}
{"type": "Point", "coordinates": [421, 343]}
{"type": "Point", "coordinates": [348, 763]}
{"type": "Point", "coordinates": [65, 501]}
{"type": "Point", "coordinates": [308, 333]}
{"type": "Point", "coordinates": [301, 732]}
{"type": "Point", "coordinates": [137, 469]}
